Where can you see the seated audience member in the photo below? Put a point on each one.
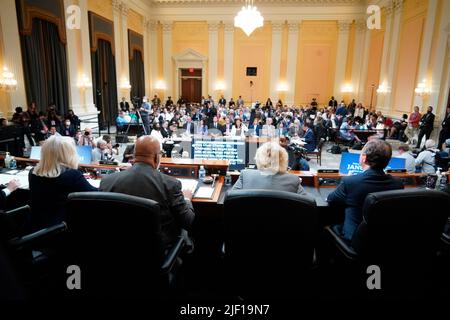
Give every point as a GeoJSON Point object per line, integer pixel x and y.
{"type": "Point", "coordinates": [189, 126]}
{"type": "Point", "coordinates": [3, 122]}
{"type": "Point", "coordinates": [410, 161]}
{"type": "Point", "coordinates": [122, 120]}
{"type": "Point", "coordinates": [144, 180]}
{"type": "Point", "coordinates": [310, 139]}
{"type": "Point", "coordinates": [295, 160]}
{"type": "Point", "coordinates": [426, 159]}
{"type": "Point", "coordinates": [68, 130]}
{"type": "Point", "coordinates": [202, 128]}
{"type": "Point", "coordinates": [346, 131]}
{"type": "Point", "coordinates": [352, 190]}
{"type": "Point", "coordinates": [74, 120]}
{"type": "Point", "coordinates": [272, 163]}
{"type": "Point", "coordinates": [113, 149]}
{"type": "Point", "coordinates": [53, 132]}
{"type": "Point", "coordinates": [156, 133]}
{"type": "Point", "coordinates": [268, 130]}
{"type": "Point", "coordinates": [54, 177]}
{"type": "Point", "coordinates": [101, 152]}
{"type": "Point", "coordinates": [226, 127]}
{"type": "Point", "coordinates": [239, 129]}
{"type": "Point", "coordinates": [128, 154]}
{"type": "Point", "coordinates": [86, 139]}
{"type": "Point", "coordinates": [165, 130]}
{"type": "Point", "coordinates": [255, 127]}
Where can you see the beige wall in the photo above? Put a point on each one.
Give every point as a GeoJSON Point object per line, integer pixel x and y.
{"type": "Point", "coordinates": [253, 51]}
{"type": "Point", "coordinates": [316, 61]}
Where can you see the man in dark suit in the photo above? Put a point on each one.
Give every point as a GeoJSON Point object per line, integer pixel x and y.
{"type": "Point", "coordinates": [310, 139]}
{"type": "Point", "coordinates": [332, 102]}
{"type": "Point", "coordinates": [189, 126]}
{"type": "Point", "coordinates": [124, 105]}
{"type": "Point", "coordinates": [426, 126]}
{"type": "Point", "coordinates": [215, 125]}
{"type": "Point", "coordinates": [144, 180]}
{"type": "Point", "coordinates": [352, 190]}
{"type": "Point", "coordinates": [222, 101]}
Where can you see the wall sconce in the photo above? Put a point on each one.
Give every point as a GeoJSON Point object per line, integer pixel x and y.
{"type": "Point", "coordinates": [160, 85]}
{"type": "Point", "coordinates": [220, 86]}
{"type": "Point", "coordinates": [347, 88]}
{"type": "Point", "coordinates": [125, 84]}
{"type": "Point", "coordinates": [422, 89]}
{"type": "Point", "coordinates": [282, 87]}
{"type": "Point", "coordinates": [7, 81]}
{"type": "Point", "coordinates": [383, 88]}
{"type": "Point", "coordinates": [84, 82]}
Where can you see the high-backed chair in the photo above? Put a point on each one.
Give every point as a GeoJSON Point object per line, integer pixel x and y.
{"type": "Point", "coordinates": [400, 233]}
{"type": "Point", "coordinates": [115, 239]}
{"type": "Point", "coordinates": [269, 242]}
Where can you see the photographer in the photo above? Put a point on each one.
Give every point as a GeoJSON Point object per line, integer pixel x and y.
{"type": "Point", "coordinates": [296, 155]}
{"type": "Point", "coordinates": [86, 139]}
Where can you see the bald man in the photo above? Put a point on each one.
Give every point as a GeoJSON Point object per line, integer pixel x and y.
{"type": "Point", "coordinates": [144, 180]}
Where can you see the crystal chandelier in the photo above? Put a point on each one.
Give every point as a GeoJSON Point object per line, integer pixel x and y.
{"type": "Point", "coordinates": [7, 81]}
{"type": "Point", "coordinates": [249, 18]}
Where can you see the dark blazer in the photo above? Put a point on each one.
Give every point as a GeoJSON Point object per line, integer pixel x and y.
{"type": "Point", "coordinates": [310, 140]}
{"type": "Point", "coordinates": [427, 121]}
{"type": "Point", "coordinates": [142, 180]}
{"type": "Point", "coordinates": [125, 106]}
{"type": "Point", "coordinates": [352, 192]}
{"type": "Point", "coordinates": [256, 128]}
{"type": "Point", "coordinates": [70, 132]}
{"type": "Point", "coordinates": [49, 196]}
{"type": "Point", "coordinates": [191, 129]}
{"type": "Point", "coordinates": [211, 126]}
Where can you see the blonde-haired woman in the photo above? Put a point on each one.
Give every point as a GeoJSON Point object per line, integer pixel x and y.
{"type": "Point", "coordinates": [272, 163]}
{"type": "Point", "coordinates": [54, 177]}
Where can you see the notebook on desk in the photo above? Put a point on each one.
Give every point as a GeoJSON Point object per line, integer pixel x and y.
{"type": "Point", "coordinates": [188, 184]}
{"type": "Point", "coordinates": [204, 192]}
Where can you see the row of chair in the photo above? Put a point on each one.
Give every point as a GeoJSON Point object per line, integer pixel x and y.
{"type": "Point", "coordinates": [270, 252]}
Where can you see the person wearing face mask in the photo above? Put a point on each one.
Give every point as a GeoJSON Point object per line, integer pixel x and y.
{"type": "Point", "coordinates": [67, 129]}
{"type": "Point", "coordinates": [145, 114]}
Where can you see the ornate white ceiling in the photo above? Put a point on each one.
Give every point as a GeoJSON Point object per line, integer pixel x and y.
{"type": "Point", "coordinates": [259, 2]}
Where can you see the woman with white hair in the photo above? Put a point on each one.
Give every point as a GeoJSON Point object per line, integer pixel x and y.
{"type": "Point", "coordinates": [54, 177]}
{"type": "Point", "coordinates": [426, 159]}
{"type": "Point", "coordinates": [272, 163]}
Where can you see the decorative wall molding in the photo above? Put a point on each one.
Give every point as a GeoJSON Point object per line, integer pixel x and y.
{"type": "Point", "coordinates": [29, 9]}
{"type": "Point", "coordinates": [277, 26]}
{"type": "Point", "coordinates": [344, 26]}
{"type": "Point", "coordinates": [167, 26]}
{"type": "Point", "coordinates": [100, 28]}
{"type": "Point", "coordinates": [293, 26]}
{"type": "Point", "coordinates": [213, 26]}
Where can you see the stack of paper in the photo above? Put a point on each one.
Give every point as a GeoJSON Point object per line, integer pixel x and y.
{"type": "Point", "coordinates": [188, 184]}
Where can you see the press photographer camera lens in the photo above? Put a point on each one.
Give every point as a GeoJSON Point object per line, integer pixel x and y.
{"type": "Point", "coordinates": [86, 133]}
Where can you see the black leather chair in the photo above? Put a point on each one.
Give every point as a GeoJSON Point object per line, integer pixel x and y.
{"type": "Point", "coordinates": [115, 239]}
{"type": "Point", "coordinates": [400, 233]}
{"type": "Point", "coordinates": [269, 245]}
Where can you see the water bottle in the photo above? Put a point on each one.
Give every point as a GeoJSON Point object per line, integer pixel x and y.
{"type": "Point", "coordinates": [201, 173]}
{"type": "Point", "coordinates": [13, 163]}
{"type": "Point", "coordinates": [228, 179]}
{"type": "Point", "coordinates": [7, 160]}
{"type": "Point", "coordinates": [438, 179]}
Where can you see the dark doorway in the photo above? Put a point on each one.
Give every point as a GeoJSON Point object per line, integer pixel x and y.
{"type": "Point", "coordinates": [191, 85]}
{"type": "Point", "coordinates": [104, 83]}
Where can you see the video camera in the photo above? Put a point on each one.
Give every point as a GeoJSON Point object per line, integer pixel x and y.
{"type": "Point", "coordinates": [136, 101]}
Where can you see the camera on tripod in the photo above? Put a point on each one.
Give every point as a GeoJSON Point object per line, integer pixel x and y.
{"type": "Point", "coordinates": [136, 101]}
